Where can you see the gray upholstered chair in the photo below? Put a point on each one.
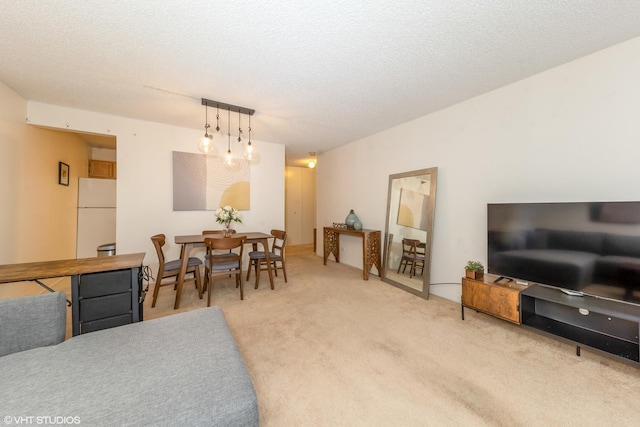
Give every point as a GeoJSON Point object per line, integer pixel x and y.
{"type": "Point", "coordinates": [224, 264]}
{"type": "Point", "coordinates": [258, 260]}
{"type": "Point", "coordinates": [171, 269]}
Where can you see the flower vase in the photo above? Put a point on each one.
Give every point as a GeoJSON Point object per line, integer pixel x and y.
{"type": "Point", "coordinates": [227, 231]}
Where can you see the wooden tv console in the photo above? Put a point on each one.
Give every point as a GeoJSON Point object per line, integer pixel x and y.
{"type": "Point", "coordinates": [500, 299]}
{"type": "Point", "coordinates": [607, 326]}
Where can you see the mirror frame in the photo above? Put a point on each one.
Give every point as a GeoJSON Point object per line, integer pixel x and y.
{"type": "Point", "coordinates": [433, 176]}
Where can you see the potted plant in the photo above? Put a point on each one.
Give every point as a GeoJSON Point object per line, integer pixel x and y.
{"type": "Point", "coordinates": [474, 270]}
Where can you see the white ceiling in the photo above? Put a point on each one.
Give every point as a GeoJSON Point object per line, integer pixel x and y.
{"type": "Point", "coordinates": [319, 74]}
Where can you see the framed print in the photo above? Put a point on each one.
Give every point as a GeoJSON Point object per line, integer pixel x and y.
{"type": "Point", "coordinates": [63, 173]}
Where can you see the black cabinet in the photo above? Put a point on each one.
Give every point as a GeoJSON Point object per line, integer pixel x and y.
{"type": "Point", "coordinates": [105, 299]}
{"type": "Point", "coordinates": [605, 325]}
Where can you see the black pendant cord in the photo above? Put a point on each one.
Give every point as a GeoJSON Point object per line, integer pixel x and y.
{"type": "Point", "coordinates": [206, 121]}
{"type": "Point", "coordinates": [229, 131]}
{"type": "Point", "coordinates": [217, 119]}
{"type": "Point", "coordinates": [239, 128]}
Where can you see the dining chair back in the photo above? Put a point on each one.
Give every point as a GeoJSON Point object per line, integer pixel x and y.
{"type": "Point", "coordinates": [224, 264]}
{"type": "Point", "coordinates": [206, 256]}
{"type": "Point", "coordinates": [171, 269]}
{"type": "Point", "coordinates": [413, 254]}
{"type": "Point", "coordinates": [258, 260]}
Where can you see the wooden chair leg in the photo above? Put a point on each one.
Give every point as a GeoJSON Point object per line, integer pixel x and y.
{"type": "Point", "coordinates": [156, 288]}
{"type": "Point", "coordinates": [284, 271]}
{"type": "Point", "coordinates": [210, 280]}
{"type": "Point", "coordinates": [257, 265]}
{"type": "Point", "coordinates": [249, 269]}
{"type": "Point", "coordinates": [198, 281]}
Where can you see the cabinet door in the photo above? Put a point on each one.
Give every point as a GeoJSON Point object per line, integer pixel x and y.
{"type": "Point", "coordinates": [293, 205]}
{"type": "Point", "coordinates": [300, 205]}
{"type": "Point", "coordinates": [102, 169]}
{"type": "Point", "coordinates": [495, 299]}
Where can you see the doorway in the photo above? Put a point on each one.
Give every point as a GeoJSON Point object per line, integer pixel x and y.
{"type": "Point", "coordinates": [300, 206]}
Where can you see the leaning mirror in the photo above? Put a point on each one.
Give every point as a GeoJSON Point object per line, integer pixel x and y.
{"type": "Point", "coordinates": [408, 231]}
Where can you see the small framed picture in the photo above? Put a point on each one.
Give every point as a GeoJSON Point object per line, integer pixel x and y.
{"type": "Point", "coordinates": [63, 173]}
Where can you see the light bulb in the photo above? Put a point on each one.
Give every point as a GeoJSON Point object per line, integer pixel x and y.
{"type": "Point", "coordinates": [248, 151]}
{"type": "Point", "coordinates": [206, 144]}
{"type": "Point", "coordinates": [312, 164]}
{"type": "Point", "coordinates": [228, 158]}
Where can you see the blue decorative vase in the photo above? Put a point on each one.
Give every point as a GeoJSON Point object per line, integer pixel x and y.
{"type": "Point", "coordinates": [351, 220]}
{"type": "Point", "coordinates": [357, 225]}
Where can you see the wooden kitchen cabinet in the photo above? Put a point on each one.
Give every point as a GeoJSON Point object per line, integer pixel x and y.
{"type": "Point", "coordinates": [102, 169]}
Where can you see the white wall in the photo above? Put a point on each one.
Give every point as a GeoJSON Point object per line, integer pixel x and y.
{"type": "Point", "coordinates": [145, 179]}
{"type": "Point", "coordinates": [105, 154]}
{"type": "Point", "coordinates": [569, 134]}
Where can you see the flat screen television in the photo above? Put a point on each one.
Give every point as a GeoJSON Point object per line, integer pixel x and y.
{"type": "Point", "coordinates": [590, 248]}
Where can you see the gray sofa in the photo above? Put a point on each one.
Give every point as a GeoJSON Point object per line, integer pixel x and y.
{"type": "Point", "coordinates": [183, 369]}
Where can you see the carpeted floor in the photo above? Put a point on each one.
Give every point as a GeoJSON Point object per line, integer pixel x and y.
{"type": "Point", "coordinates": [329, 349]}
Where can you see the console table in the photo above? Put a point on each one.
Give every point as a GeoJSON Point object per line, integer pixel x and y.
{"type": "Point", "coordinates": [370, 247]}
{"type": "Point", "coordinates": [105, 291]}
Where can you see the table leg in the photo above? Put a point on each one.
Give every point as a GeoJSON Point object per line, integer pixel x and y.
{"type": "Point", "coordinates": [184, 258]}
{"type": "Point", "coordinates": [331, 243]}
{"type": "Point", "coordinates": [365, 257]}
{"type": "Point", "coordinates": [371, 253]}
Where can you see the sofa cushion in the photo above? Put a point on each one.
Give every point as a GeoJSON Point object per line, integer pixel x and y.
{"type": "Point", "coordinates": [575, 241]}
{"type": "Point", "coordinates": [568, 269]}
{"type": "Point", "coordinates": [183, 369]}
{"type": "Point", "coordinates": [615, 244]}
{"type": "Point", "coordinates": [32, 321]}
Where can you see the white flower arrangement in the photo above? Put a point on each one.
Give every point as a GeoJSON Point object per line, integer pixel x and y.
{"type": "Point", "coordinates": [227, 214]}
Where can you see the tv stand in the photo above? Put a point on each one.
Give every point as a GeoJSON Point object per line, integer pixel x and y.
{"type": "Point", "coordinates": [607, 326]}
{"type": "Point", "coordinates": [496, 299]}
{"type": "Point", "coordinates": [500, 278]}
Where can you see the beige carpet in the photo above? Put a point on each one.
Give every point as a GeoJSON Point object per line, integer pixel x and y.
{"type": "Point", "coordinates": [329, 349]}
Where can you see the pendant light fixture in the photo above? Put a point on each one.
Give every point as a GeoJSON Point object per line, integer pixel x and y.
{"type": "Point", "coordinates": [228, 158]}
{"type": "Point", "coordinates": [206, 143]}
{"type": "Point", "coordinates": [249, 152]}
{"type": "Point", "coordinates": [217, 118]}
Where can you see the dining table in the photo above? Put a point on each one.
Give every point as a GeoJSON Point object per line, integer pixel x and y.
{"type": "Point", "coordinates": [189, 242]}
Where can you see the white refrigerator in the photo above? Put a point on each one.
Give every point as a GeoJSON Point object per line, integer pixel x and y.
{"type": "Point", "coordinates": [96, 215]}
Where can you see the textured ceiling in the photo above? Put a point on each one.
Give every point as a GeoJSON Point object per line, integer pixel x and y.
{"type": "Point", "coordinates": [319, 74]}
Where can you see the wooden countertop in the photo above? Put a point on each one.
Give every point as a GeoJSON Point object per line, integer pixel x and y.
{"type": "Point", "coordinates": [68, 267]}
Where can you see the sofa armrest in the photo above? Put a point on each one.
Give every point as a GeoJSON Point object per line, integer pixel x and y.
{"type": "Point", "coordinates": [32, 321]}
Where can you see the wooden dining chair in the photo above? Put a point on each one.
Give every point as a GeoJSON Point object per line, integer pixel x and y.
{"type": "Point", "coordinates": [206, 268]}
{"type": "Point", "coordinates": [258, 260]}
{"type": "Point", "coordinates": [413, 254]}
{"type": "Point", "coordinates": [171, 269]}
{"type": "Point", "coordinates": [224, 264]}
